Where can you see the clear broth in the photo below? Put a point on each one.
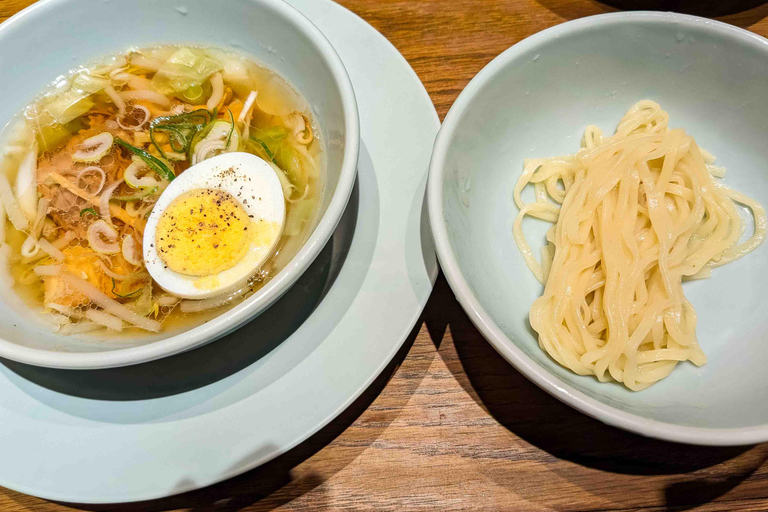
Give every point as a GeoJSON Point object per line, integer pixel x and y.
{"type": "Point", "coordinates": [275, 135]}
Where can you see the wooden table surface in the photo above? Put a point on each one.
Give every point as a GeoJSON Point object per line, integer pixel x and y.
{"type": "Point", "coordinates": [450, 425]}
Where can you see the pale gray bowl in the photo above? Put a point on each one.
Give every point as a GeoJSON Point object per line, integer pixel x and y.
{"type": "Point", "coordinates": [535, 100]}
{"type": "Point", "coordinates": [53, 36]}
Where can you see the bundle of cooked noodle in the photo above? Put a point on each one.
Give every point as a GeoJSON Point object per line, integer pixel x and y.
{"type": "Point", "coordinates": [634, 215]}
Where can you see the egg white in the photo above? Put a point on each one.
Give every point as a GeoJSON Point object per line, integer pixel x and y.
{"type": "Point", "coordinates": [250, 180]}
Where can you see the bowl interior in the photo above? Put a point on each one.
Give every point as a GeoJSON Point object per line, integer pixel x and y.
{"type": "Point", "coordinates": [41, 45]}
{"type": "Point", "coordinates": [535, 101]}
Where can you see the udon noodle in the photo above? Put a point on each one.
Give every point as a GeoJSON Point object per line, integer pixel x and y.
{"type": "Point", "coordinates": [634, 215]}
{"type": "Point", "coordinates": [82, 168]}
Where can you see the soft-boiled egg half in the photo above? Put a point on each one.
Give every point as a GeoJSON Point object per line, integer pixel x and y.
{"type": "Point", "coordinates": [214, 226]}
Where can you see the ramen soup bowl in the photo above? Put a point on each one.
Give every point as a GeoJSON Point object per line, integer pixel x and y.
{"type": "Point", "coordinates": [267, 32]}
{"type": "Point", "coordinates": [535, 100]}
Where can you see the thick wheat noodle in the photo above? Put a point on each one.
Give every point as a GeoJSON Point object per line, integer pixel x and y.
{"type": "Point", "coordinates": [634, 214]}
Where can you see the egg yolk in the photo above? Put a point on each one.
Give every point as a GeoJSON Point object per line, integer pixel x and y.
{"type": "Point", "coordinates": [203, 232]}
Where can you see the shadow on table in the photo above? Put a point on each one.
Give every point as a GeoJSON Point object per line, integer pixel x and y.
{"type": "Point", "coordinates": [541, 420]}
{"type": "Point", "coordinates": [739, 12]}
{"type": "Point", "coordinates": [272, 484]}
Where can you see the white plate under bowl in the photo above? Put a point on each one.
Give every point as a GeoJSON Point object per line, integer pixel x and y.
{"type": "Point", "coordinates": [269, 31]}
{"type": "Point", "coordinates": [193, 419]}
{"type": "Point", "coordinates": [535, 100]}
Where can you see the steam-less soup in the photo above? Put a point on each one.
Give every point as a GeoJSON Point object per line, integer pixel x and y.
{"type": "Point", "coordinates": [83, 168]}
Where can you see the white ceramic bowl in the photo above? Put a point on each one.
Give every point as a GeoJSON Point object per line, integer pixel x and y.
{"type": "Point", "coordinates": [535, 100]}
{"type": "Point", "coordinates": [52, 36]}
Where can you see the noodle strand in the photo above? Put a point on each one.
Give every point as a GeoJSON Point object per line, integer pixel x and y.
{"type": "Point", "coordinates": [633, 215]}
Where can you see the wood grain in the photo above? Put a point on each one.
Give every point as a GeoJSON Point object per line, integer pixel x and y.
{"type": "Point", "coordinates": [450, 425]}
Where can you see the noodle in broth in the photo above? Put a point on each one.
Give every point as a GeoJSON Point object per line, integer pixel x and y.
{"type": "Point", "coordinates": [72, 210]}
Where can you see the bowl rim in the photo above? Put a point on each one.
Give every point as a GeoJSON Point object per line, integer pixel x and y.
{"type": "Point", "coordinates": [464, 294]}
{"type": "Point", "coordinates": [234, 318]}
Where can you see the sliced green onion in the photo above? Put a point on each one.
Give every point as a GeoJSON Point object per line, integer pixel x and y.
{"type": "Point", "coordinates": [181, 128]}
{"type": "Point", "coordinates": [215, 139]}
{"type": "Point", "coordinates": [88, 210]}
{"type": "Point", "coordinates": [93, 148]}
{"type": "Point", "coordinates": [232, 130]}
{"type": "Point", "coordinates": [132, 294]}
{"type": "Point", "coordinates": [130, 175]}
{"type": "Point", "coordinates": [177, 138]}
{"type": "Point", "coordinates": [264, 146]}
{"type": "Point", "coordinates": [153, 162]}
{"type": "Point", "coordinates": [193, 92]}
